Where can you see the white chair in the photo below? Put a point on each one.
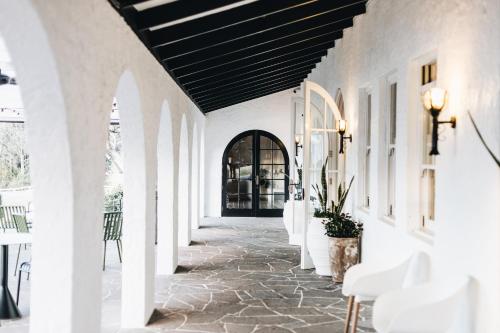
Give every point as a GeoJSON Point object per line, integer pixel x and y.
{"type": "Point", "coordinates": [365, 282]}
{"type": "Point", "coordinates": [428, 308]}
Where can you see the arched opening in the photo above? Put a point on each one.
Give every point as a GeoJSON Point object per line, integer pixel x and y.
{"type": "Point", "coordinates": [48, 144]}
{"type": "Point", "coordinates": [255, 175]}
{"type": "Point", "coordinates": [112, 220]}
{"type": "Point", "coordinates": [166, 249]}
{"type": "Point", "coordinates": [16, 192]}
{"type": "Point", "coordinates": [195, 221]}
{"type": "Point", "coordinates": [138, 267]}
{"type": "Point", "coordinates": [183, 186]}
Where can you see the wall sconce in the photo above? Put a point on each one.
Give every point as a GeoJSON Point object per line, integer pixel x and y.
{"type": "Point", "coordinates": [297, 145]}
{"type": "Point", "coordinates": [435, 100]}
{"type": "Point", "coordinates": [341, 128]}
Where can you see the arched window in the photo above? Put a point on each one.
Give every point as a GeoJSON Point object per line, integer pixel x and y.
{"type": "Point", "coordinates": [255, 168]}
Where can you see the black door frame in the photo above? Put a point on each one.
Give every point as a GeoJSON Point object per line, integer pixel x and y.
{"type": "Point", "coordinates": [255, 210]}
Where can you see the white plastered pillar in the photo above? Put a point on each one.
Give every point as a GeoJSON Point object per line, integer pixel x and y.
{"type": "Point", "coordinates": [139, 161]}
{"type": "Point", "coordinates": [183, 186]}
{"type": "Point", "coordinates": [60, 261]}
{"type": "Point", "coordinates": [195, 170]}
{"type": "Point", "coordinates": [167, 247]}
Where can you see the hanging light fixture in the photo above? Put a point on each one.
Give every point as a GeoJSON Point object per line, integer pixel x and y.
{"type": "Point", "coordinates": [435, 100]}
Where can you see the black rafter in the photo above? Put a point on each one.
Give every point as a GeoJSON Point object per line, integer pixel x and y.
{"type": "Point", "coordinates": [244, 99]}
{"type": "Point", "coordinates": [225, 57]}
{"type": "Point", "coordinates": [269, 29]}
{"type": "Point", "coordinates": [247, 89]}
{"type": "Point", "coordinates": [257, 68]}
{"type": "Point", "coordinates": [177, 10]}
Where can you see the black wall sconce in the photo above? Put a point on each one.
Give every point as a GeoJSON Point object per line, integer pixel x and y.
{"type": "Point", "coordinates": [341, 128]}
{"type": "Point", "coordinates": [435, 100]}
{"type": "Point", "coordinates": [297, 145]}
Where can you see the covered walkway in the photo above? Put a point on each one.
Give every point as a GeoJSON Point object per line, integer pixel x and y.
{"type": "Point", "coordinates": [240, 275]}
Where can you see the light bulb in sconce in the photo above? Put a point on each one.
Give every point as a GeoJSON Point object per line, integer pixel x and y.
{"type": "Point", "coordinates": [341, 126]}
{"type": "Point", "coordinates": [297, 145]}
{"type": "Point", "coordinates": [434, 101]}
{"type": "Point", "coordinates": [341, 129]}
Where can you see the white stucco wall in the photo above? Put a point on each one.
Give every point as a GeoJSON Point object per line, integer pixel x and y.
{"type": "Point", "coordinates": [72, 58]}
{"type": "Point", "coordinates": [270, 113]}
{"type": "Point", "coordinates": [465, 38]}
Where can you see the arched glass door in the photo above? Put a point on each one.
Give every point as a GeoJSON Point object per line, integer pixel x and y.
{"type": "Point", "coordinates": [254, 175]}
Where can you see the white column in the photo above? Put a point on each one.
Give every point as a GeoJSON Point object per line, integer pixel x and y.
{"type": "Point", "coordinates": [139, 161]}
{"type": "Point", "coordinates": [166, 249]}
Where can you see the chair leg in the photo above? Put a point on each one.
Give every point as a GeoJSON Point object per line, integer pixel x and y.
{"type": "Point", "coordinates": [350, 301]}
{"type": "Point", "coordinates": [18, 287]}
{"type": "Point", "coordinates": [119, 250]}
{"type": "Point", "coordinates": [355, 317]}
{"type": "Point", "coordinates": [17, 260]}
{"type": "Point", "coordinates": [104, 258]}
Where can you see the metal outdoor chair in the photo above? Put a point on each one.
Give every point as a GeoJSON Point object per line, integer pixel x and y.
{"type": "Point", "coordinates": [21, 227]}
{"type": "Point", "coordinates": [112, 232]}
{"type": "Point", "coordinates": [25, 268]}
{"type": "Point", "coordinates": [6, 212]}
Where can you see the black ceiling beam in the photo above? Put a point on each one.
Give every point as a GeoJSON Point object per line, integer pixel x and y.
{"type": "Point", "coordinates": [223, 105]}
{"type": "Point", "coordinates": [265, 46]}
{"type": "Point", "coordinates": [165, 53]}
{"type": "Point", "coordinates": [270, 65]}
{"type": "Point", "coordinates": [252, 74]}
{"type": "Point", "coordinates": [245, 94]}
{"type": "Point", "coordinates": [195, 76]}
{"type": "Point", "coordinates": [253, 59]}
{"type": "Point", "coordinates": [219, 20]}
{"type": "Point", "coordinates": [120, 4]}
{"type": "Point", "coordinates": [242, 96]}
{"type": "Point", "coordinates": [176, 10]}
{"type": "Point", "coordinates": [300, 77]}
{"type": "Point", "coordinates": [268, 28]}
{"type": "Point", "coordinates": [279, 76]}
{"type": "Point", "coordinates": [246, 89]}
{"type": "Point", "coordinates": [252, 78]}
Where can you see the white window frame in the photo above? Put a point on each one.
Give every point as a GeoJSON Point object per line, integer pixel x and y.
{"type": "Point", "coordinates": [388, 152]}
{"type": "Point", "coordinates": [425, 223]}
{"type": "Point", "coordinates": [365, 147]}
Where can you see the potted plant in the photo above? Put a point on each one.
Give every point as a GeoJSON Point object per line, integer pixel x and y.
{"type": "Point", "coordinates": [343, 233]}
{"type": "Point", "coordinates": [317, 241]}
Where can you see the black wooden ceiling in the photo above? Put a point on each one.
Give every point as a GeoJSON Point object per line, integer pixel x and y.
{"type": "Point", "coordinates": [223, 52]}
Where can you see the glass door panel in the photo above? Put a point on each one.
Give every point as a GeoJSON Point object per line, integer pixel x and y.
{"type": "Point", "coordinates": [255, 176]}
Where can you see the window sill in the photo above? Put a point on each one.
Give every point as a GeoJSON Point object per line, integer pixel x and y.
{"type": "Point", "coordinates": [364, 209]}
{"type": "Point", "coordinates": [423, 235]}
{"type": "Point", "coordinates": [388, 220]}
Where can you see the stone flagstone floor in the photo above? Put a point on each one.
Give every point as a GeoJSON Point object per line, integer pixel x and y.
{"type": "Point", "coordinates": [241, 276]}
{"type": "Point", "coordinates": [238, 276]}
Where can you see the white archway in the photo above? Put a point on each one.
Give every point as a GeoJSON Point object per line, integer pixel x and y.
{"type": "Point", "coordinates": [195, 169]}
{"type": "Point", "coordinates": [183, 212]}
{"type": "Point", "coordinates": [166, 249]}
{"type": "Point", "coordinates": [48, 142]}
{"type": "Point", "coordinates": [138, 210]}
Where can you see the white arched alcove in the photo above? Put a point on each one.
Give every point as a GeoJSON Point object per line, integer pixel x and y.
{"type": "Point", "coordinates": [195, 189]}
{"type": "Point", "coordinates": [166, 249]}
{"type": "Point", "coordinates": [53, 285]}
{"type": "Point", "coordinates": [183, 186]}
{"type": "Point", "coordinates": [138, 230]}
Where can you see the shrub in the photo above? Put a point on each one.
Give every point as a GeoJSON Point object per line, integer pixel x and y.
{"type": "Point", "coordinates": [342, 226]}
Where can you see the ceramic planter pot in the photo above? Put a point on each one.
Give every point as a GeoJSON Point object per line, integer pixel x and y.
{"type": "Point", "coordinates": [343, 254]}
{"type": "Point", "coordinates": [317, 245]}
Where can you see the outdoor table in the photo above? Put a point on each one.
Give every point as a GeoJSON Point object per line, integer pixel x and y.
{"type": "Point", "coordinates": [8, 308]}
